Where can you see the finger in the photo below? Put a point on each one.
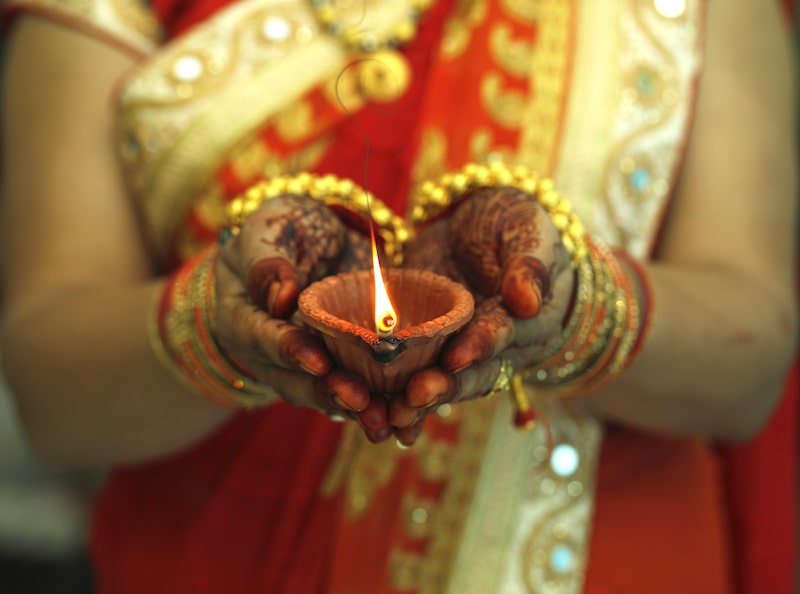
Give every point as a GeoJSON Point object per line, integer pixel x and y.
{"type": "Point", "coordinates": [264, 255]}
{"type": "Point", "coordinates": [299, 389]}
{"type": "Point", "coordinates": [401, 414]}
{"type": "Point", "coordinates": [424, 390]}
{"type": "Point", "coordinates": [345, 390]}
{"type": "Point", "coordinates": [379, 435]}
{"type": "Point", "coordinates": [429, 387]}
{"type": "Point", "coordinates": [525, 279]}
{"type": "Point", "coordinates": [281, 246]}
{"type": "Point", "coordinates": [274, 283]}
{"type": "Point", "coordinates": [375, 416]}
{"type": "Point", "coordinates": [490, 331]}
{"type": "Point", "coordinates": [477, 381]}
{"type": "Point", "coordinates": [408, 435]}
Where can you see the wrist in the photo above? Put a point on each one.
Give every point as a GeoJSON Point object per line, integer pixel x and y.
{"type": "Point", "coordinates": [182, 335]}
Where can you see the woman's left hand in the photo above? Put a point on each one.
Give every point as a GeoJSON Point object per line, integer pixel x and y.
{"type": "Point", "coordinates": [504, 247]}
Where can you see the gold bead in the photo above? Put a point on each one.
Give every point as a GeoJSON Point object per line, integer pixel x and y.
{"type": "Point", "coordinates": [295, 187]}
{"type": "Point", "coordinates": [576, 228]}
{"type": "Point", "coordinates": [549, 198]}
{"type": "Point", "coordinates": [439, 196]}
{"type": "Point", "coordinates": [564, 206]}
{"type": "Point", "coordinates": [326, 15]}
{"type": "Point", "coordinates": [568, 244]}
{"type": "Point", "coordinates": [459, 183]}
{"type": "Point", "coordinates": [561, 221]}
{"type": "Point", "coordinates": [405, 31]}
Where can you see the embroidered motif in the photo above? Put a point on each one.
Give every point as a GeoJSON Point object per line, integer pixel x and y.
{"type": "Point", "coordinates": [659, 68]}
{"type": "Point", "coordinates": [509, 52]}
{"type": "Point", "coordinates": [484, 148]}
{"type": "Point", "coordinates": [523, 11]}
{"type": "Point", "coordinates": [549, 78]}
{"type": "Point", "coordinates": [467, 15]}
{"type": "Point", "coordinates": [558, 506]}
{"type": "Point", "coordinates": [505, 106]}
{"type": "Point", "coordinates": [183, 98]}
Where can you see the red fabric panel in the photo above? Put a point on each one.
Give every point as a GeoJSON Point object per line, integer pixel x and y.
{"type": "Point", "coordinates": [238, 513]}
{"type": "Point", "coordinates": [763, 492]}
{"type": "Point", "coordinates": [660, 520]}
{"type": "Point", "coordinates": [177, 16]}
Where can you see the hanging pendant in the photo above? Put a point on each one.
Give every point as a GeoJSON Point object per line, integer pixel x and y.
{"type": "Point", "coordinates": [383, 75]}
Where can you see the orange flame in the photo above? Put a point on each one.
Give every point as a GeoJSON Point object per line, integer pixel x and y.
{"type": "Point", "coordinates": [385, 314]}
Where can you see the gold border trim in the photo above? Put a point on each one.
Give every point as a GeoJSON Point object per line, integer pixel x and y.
{"type": "Point", "coordinates": [548, 80]}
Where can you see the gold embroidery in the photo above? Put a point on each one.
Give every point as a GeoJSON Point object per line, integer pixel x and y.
{"type": "Point", "coordinates": [296, 122]}
{"type": "Point", "coordinates": [433, 464]}
{"type": "Point", "coordinates": [431, 157]}
{"type": "Point", "coordinates": [404, 570]}
{"type": "Point", "coordinates": [525, 11]}
{"type": "Point", "coordinates": [467, 15]}
{"type": "Point", "coordinates": [656, 103]}
{"type": "Point", "coordinates": [373, 468]}
{"type": "Point", "coordinates": [642, 182]}
{"type": "Point", "coordinates": [240, 45]}
{"type": "Point", "coordinates": [211, 210]}
{"type": "Point", "coordinates": [249, 158]}
{"type": "Point", "coordinates": [506, 107]}
{"type": "Point", "coordinates": [344, 92]}
{"type": "Point", "coordinates": [548, 74]}
{"type": "Point", "coordinates": [139, 16]}
{"type": "Point", "coordinates": [512, 54]}
{"type": "Point", "coordinates": [536, 489]}
{"type": "Point", "coordinates": [447, 524]}
{"type": "Point", "coordinates": [554, 554]}
{"type": "Point", "coordinates": [417, 514]}
{"type": "Point", "coordinates": [484, 150]}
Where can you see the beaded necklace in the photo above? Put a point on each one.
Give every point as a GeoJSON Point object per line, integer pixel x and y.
{"type": "Point", "coordinates": [383, 72]}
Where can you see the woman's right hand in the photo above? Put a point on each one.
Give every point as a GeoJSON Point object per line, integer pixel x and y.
{"type": "Point", "coordinates": [285, 245]}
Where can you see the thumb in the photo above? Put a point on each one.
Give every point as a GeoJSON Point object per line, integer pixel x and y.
{"type": "Point", "coordinates": [274, 283]}
{"type": "Point", "coordinates": [524, 280]}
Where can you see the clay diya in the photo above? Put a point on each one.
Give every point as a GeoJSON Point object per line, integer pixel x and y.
{"type": "Point", "coordinates": [429, 308]}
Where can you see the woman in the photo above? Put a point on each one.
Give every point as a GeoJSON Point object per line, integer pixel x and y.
{"type": "Point", "coordinates": [612, 490]}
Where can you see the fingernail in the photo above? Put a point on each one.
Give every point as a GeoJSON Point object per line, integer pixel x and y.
{"type": "Point", "coordinates": [378, 436]}
{"type": "Point", "coordinates": [272, 296]}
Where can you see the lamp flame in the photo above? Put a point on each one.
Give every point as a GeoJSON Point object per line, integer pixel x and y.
{"type": "Point", "coordinates": [385, 314]}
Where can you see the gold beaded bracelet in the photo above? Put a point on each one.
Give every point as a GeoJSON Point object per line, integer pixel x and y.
{"type": "Point", "coordinates": [434, 198]}
{"type": "Point", "coordinates": [333, 192]}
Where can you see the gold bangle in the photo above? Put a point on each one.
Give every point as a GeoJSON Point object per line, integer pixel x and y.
{"type": "Point", "coordinates": [603, 342]}
{"type": "Point", "coordinates": [331, 191]}
{"type": "Point", "coordinates": [434, 198]}
{"type": "Point", "coordinates": [182, 337]}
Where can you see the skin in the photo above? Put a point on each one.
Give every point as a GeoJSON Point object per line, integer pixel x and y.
{"type": "Point", "coordinates": [74, 341]}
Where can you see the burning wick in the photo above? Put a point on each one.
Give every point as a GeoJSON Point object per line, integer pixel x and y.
{"type": "Point", "coordinates": [385, 315]}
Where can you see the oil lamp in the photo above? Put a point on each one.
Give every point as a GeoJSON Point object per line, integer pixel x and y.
{"type": "Point", "coordinates": [406, 332]}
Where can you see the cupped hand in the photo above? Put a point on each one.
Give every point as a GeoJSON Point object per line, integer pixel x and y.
{"type": "Point", "coordinates": [285, 245]}
{"type": "Point", "coordinates": [504, 247]}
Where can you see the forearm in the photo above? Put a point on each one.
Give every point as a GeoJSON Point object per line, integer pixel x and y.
{"type": "Point", "coordinates": [715, 360]}
{"type": "Point", "coordinates": [89, 389]}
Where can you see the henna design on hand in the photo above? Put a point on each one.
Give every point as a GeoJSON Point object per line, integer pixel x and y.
{"type": "Point", "coordinates": [496, 237]}
{"type": "Point", "coordinates": [306, 239]}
